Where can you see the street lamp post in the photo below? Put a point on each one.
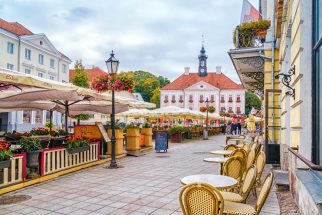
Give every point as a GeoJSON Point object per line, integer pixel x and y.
{"type": "Point", "coordinates": [112, 65]}
{"type": "Point", "coordinates": [205, 133]}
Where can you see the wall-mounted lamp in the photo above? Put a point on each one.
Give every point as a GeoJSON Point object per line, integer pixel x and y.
{"type": "Point", "coordinates": [286, 80]}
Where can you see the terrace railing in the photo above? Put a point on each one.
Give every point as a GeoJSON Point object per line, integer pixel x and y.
{"type": "Point", "coordinates": [16, 172]}
{"type": "Point", "coordinates": [54, 160]}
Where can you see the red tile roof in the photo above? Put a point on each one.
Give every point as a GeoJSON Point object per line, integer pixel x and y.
{"type": "Point", "coordinates": [14, 27]}
{"type": "Point", "coordinates": [92, 73]}
{"type": "Point", "coordinates": [218, 80]}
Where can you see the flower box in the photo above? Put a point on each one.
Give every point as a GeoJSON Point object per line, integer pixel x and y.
{"type": "Point", "coordinates": [5, 164]}
{"type": "Point", "coordinates": [166, 101]}
{"type": "Point", "coordinates": [181, 100]}
{"type": "Point", "coordinates": [77, 150]}
{"type": "Point", "coordinates": [201, 101]}
{"type": "Point", "coordinates": [173, 101]}
{"type": "Point", "coordinates": [238, 100]}
{"type": "Point", "coordinates": [191, 101]}
{"type": "Point", "coordinates": [222, 101]}
{"type": "Point", "coordinates": [230, 100]}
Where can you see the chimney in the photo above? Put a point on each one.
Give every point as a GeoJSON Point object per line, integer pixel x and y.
{"type": "Point", "coordinates": [218, 69]}
{"type": "Point", "coordinates": [186, 70]}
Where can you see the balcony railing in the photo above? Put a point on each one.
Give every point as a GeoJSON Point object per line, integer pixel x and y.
{"type": "Point", "coordinates": [251, 34]}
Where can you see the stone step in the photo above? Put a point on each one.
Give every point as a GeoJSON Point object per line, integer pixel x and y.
{"type": "Point", "coordinates": [281, 180]}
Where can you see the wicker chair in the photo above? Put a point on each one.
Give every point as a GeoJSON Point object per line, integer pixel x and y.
{"type": "Point", "coordinates": [260, 164]}
{"type": "Point", "coordinates": [230, 147]}
{"type": "Point", "coordinates": [249, 161]}
{"type": "Point", "coordinates": [244, 209]}
{"type": "Point", "coordinates": [246, 147]}
{"type": "Point", "coordinates": [245, 188]}
{"type": "Point", "coordinates": [239, 153]}
{"type": "Point", "coordinates": [201, 199]}
{"type": "Point", "coordinates": [234, 167]}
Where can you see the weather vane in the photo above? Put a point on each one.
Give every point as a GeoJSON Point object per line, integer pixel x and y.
{"type": "Point", "coordinates": [203, 39]}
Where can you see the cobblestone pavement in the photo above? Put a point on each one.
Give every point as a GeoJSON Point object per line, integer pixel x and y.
{"type": "Point", "coordinates": [145, 185]}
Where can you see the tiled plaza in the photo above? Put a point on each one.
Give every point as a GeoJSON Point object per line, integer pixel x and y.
{"type": "Point", "coordinates": [144, 185]}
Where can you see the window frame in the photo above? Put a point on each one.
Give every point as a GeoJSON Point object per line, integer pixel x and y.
{"type": "Point", "coordinates": [316, 97]}
{"type": "Point", "coordinates": [27, 56]}
{"type": "Point", "coordinates": [41, 62]}
{"type": "Point", "coordinates": [28, 70]}
{"type": "Point", "coordinates": [11, 65]}
{"type": "Point", "coordinates": [52, 65]}
{"type": "Point", "coordinates": [10, 50]}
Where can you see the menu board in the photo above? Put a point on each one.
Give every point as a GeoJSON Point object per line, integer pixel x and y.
{"type": "Point", "coordinates": [161, 140]}
{"type": "Point", "coordinates": [103, 132]}
{"type": "Point", "coordinates": [88, 131]}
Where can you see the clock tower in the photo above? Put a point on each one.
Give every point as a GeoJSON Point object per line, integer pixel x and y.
{"type": "Point", "coordinates": [202, 71]}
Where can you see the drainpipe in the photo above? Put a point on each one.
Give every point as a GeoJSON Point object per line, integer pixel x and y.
{"type": "Point", "coordinates": [18, 69]}
{"type": "Point", "coordinates": [273, 65]}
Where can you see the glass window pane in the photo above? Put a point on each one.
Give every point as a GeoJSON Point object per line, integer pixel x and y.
{"type": "Point", "coordinates": [26, 116]}
{"type": "Point", "coordinates": [38, 116]}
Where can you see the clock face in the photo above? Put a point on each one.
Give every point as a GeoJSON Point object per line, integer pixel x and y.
{"type": "Point", "coordinates": [202, 70]}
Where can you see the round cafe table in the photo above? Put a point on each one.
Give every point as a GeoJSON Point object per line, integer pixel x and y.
{"type": "Point", "coordinates": [218, 181]}
{"type": "Point", "coordinates": [220, 160]}
{"type": "Point", "coordinates": [221, 152]}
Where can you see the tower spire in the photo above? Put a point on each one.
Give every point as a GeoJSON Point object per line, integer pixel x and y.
{"type": "Point", "coordinates": [202, 71]}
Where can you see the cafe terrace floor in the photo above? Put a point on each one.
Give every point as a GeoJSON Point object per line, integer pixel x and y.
{"type": "Point", "coordinates": [145, 185]}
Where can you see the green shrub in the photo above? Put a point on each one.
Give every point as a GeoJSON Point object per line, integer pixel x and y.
{"type": "Point", "coordinates": [30, 145]}
{"type": "Point", "coordinates": [176, 129]}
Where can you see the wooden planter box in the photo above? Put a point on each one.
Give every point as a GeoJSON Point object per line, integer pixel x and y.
{"type": "Point", "coordinates": [5, 164]}
{"type": "Point", "coordinates": [118, 144]}
{"type": "Point", "coordinates": [176, 138]}
{"type": "Point", "coordinates": [133, 139]}
{"type": "Point", "coordinates": [77, 150]}
{"type": "Point", "coordinates": [147, 136]}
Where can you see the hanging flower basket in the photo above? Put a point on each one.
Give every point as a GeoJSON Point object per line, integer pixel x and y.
{"type": "Point", "coordinates": [191, 101]}
{"type": "Point", "coordinates": [211, 109]}
{"type": "Point", "coordinates": [118, 82]}
{"type": "Point", "coordinates": [181, 100]}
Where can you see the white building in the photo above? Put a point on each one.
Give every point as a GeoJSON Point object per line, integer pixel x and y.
{"type": "Point", "coordinates": [26, 52]}
{"type": "Point", "coordinates": [191, 90]}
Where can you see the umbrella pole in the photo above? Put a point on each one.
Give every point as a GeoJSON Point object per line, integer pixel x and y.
{"type": "Point", "coordinates": [50, 120]}
{"type": "Point", "coordinates": [66, 116]}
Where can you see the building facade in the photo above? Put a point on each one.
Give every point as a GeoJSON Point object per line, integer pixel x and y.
{"type": "Point", "coordinates": [286, 71]}
{"type": "Point", "coordinates": [191, 90]}
{"type": "Point", "coordinates": [34, 54]}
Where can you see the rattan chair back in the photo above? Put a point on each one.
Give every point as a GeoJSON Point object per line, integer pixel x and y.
{"type": "Point", "coordinates": [250, 158]}
{"type": "Point", "coordinates": [246, 147]}
{"type": "Point", "coordinates": [249, 182]}
{"type": "Point", "coordinates": [201, 199]}
{"type": "Point", "coordinates": [256, 139]}
{"type": "Point", "coordinates": [230, 147]}
{"type": "Point", "coordinates": [234, 167]}
{"type": "Point", "coordinates": [254, 146]}
{"type": "Point", "coordinates": [260, 164]}
{"type": "Point", "coordinates": [239, 153]}
{"type": "Point", "coordinates": [267, 184]}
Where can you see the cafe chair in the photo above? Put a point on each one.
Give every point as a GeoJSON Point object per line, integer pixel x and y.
{"type": "Point", "coordinates": [239, 153]}
{"type": "Point", "coordinates": [201, 199]}
{"type": "Point", "coordinates": [245, 188]}
{"type": "Point", "coordinates": [234, 167]}
{"type": "Point", "coordinates": [260, 164]}
{"type": "Point", "coordinates": [249, 161]}
{"type": "Point", "coordinates": [230, 147]}
{"type": "Point", "coordinates": [245, 209]}
{"type": "Point", "coordinates": [246, 147]}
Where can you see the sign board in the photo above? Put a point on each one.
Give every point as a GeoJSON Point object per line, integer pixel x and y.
{"type": "Point", "coordinates": [161, 140]}
{"type": "Point", "coordinates": [103, 132]}
{"type": "Point", "coordinates": [88, 131]}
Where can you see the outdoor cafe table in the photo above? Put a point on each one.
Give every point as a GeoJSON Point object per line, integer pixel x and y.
{"type": "Point", "coordinates": [221, 152]}
{"type": "Point", "coordinates": [220, 160]}
{"type": "Point", "coordinates": [218, 181]}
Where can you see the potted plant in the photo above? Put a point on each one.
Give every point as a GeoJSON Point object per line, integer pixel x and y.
{"type": "Point", "coordinates": [211, 109]}
{"type": "Point", "coordinates": [39, 132]}
{"type": "Point", "coordinates": [132, 137]}
{"type": "Point", "coordinates": [146, 130]}
{"type": "Point", "coordinates": [33, 148]}
{"type": "Point", "coordinates": [77, 144]}
{"type": "Point", "coordinates": [119, 140]}
{"type": "Point", "coordinates": [14, 136]}
{"type": "Point", "coordinates": [175, 133]}
{"type": "Point", "coordinates": [5, 154]}
{"type": "Point", "coordinates": [62, 132]}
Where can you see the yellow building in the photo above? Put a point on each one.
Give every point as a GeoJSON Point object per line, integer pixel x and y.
{"type": "Point", "coordinates": [292, 100]}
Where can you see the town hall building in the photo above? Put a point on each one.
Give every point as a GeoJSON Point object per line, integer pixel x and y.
{"type": "Point", "coordinates": [191, 90]}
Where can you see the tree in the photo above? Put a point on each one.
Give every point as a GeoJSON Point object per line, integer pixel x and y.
{"type": "Point", "coordinates": [156, 97]}
{"type": "Point", "coordinates": [163, 81]}
{"type": "Point", "coordinates": [80, 76]}
{"type": "Point", "coordinates": [252, 100]}
{"type": "Point", "coordinates": [80, 79]}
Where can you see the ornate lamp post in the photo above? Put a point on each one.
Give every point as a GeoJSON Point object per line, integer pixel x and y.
{"type": "Point", "coordinates": [205, 132]}
{"type": "Point", "coordinates": [112, 65]}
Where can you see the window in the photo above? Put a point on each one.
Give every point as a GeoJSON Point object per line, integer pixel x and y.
{"type": "Point", "coordinates": [52, 63]}
{"type": "Point", "coordinates": [27, 116]}
{"type": "Point", "coordinates": [238, 98]}
{"type": "Point", "coordinates": [27, 54]}
{"type": "Point", "coordinates": [10, 47]}
{"type": "Point", "coordinates": [10, 66]}
{"type": "Point", "coordinates": [316, 85]}
{"type": "Point", "coordinates": [222, 98]}
{"type": "Point", "coordinates": [27, 71]}
{"type": "Point", "coordinates": [173, 100]}
{"type": "Point", "coordinates": [238, 110]}
{"type": "Point", "coordinates": [230, 98]}
{"type": "Point", "coordinates": [201, 99]}
{"type": "Point", "coordinates": [64, 68]}
{"type": "Point", "coordinates": [39, 116]}
{"type": "Point", "coordinates": [222, 108]}
{"type": "Point", "coordinates": [41, 59]}
{"type": "Point", "coordinates": [212, 98]}
{"type": "Point", "coordinates": [40, 74]}
{"type": "Point", "coordinates": [51, 77]}
{"type": "Point", "coordinates": [166, 99]}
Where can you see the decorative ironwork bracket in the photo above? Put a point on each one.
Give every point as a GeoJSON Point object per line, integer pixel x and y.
{"type": "Point", "coordinates": [286, 80]}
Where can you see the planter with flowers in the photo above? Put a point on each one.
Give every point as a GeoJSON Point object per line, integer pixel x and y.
{"type": "Point", "coordinates": [33, 148]}
{"type": "Point", "coordinates": [175, 133]}
{"type": "Point", "coordinates": [14, 136]}
{"type": "Point", "coordinates": [180, 100]}
{"type": "Point", "coordinates": [119, 140]}
{"type": "Point", "coordinates": [146, 130]}
{"type": "Point", "coordinates": [203, 109]}
{"type": "Point", "coordinates": [77, 144]}
{"type": "Point", "coordinates": [5, 154]}
{"type": "Point", "coordinates": [132, 137]}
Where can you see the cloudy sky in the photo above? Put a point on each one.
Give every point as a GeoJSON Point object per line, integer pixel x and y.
{"type": "Point", "coordinates": [160, 36]}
